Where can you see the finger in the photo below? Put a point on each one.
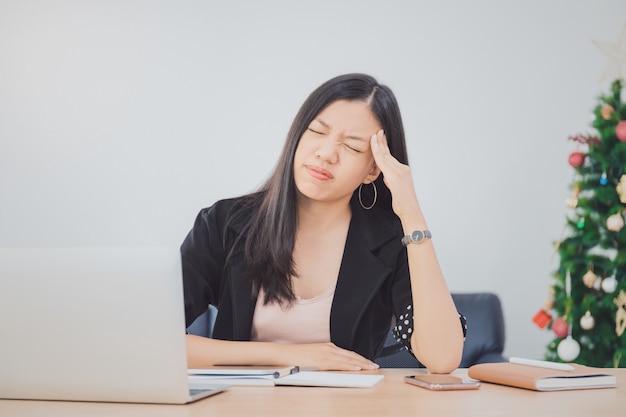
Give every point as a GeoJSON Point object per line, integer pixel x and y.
{"type": "Point", "coordinates": [380, 150]}
{"type": "Point", "coordinates": [342, 366]}
{"type": "Point", "coordinates": [382, 141]}
{"type": "Point", "coordinates": [379, 141]}
{"type": "Point", "coordinates": [354, 359]}
{"type": "Point", "coordinates": [377, 149]}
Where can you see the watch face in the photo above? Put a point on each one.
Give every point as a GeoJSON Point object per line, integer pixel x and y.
{"type": "Point", "coordinates": [417, 236]}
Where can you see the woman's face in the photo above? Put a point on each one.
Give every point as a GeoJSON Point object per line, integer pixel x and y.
{"type": "Point", "coordinates": [333, 156]}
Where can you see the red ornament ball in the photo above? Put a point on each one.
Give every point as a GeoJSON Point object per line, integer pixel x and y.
{"type": "Point", "coordinates": [576, 159]}
{"type": "Point", "coordinates": [620, 131]}
{"type": "Point", "coordinates": [560, 327]}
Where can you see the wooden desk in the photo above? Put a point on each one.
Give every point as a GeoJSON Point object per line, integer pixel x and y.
{"type": "Point", "coordinates": [391, 397]}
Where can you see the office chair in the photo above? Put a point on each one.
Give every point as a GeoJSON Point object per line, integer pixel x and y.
{"type": "Point", "coordinates": [484, 342]}
{"type": "Point", "coordinates": [485, 334]}
{"type": "Point", "coordinates": [203, 325]}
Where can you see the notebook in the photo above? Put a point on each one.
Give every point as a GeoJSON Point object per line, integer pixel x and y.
{"type": "Point", "coordinates": [269, 376]}
{"type": "Point", "coordinates": [540, 378]}
{"type": "Point", "coordinates": [239, 375]}
{"type": "Point", "coordinates": [94, 324]}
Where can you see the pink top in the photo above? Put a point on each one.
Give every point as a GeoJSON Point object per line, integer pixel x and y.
{"type": "Point", "coordinates": [304, 321]}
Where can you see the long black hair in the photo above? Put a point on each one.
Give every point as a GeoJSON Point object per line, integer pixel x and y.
{"type": "Point", "coordinates": [268, 235]}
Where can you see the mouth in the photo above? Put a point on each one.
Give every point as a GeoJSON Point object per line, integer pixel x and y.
{"type": "Point", "coordinates": [319, 173]}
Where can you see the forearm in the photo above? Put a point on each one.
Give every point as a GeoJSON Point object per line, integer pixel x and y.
{"type": "Point", "coordinates": [203, 352]}
{"type": "Point", "coordinates": [437, 339]}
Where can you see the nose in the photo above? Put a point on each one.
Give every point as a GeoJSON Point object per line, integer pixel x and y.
{"type": "Point", "coordinates": [327, 151]}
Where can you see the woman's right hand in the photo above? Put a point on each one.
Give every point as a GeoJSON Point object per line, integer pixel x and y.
{"type": "Point", "coordinates": [324, 357]}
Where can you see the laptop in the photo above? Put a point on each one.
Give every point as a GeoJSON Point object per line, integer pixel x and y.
{"type": "Point", "coordinates": [94, 324]}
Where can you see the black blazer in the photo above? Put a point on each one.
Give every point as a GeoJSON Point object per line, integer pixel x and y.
{"type": "Point", "coordinates": [373, 283]}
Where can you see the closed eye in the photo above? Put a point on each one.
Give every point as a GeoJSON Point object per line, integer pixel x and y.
{"type": "Point", "coordinates": [315, 131]}
{"type": "Point", "coordinates": [352, 148]}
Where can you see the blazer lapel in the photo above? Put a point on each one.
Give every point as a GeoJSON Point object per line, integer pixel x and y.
{"type": "Point", "coordinates": [243, 306]}
{"type": "Point", "coordinates": [236, 308]}
{"type": "Point", "coordinates": [361, 273]}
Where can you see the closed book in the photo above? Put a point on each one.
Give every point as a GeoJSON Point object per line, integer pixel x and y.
{"type": "Point", "coordinates": [330, 379]}
{"type": "Point", "coordinates": [307, 379]}
{"type": "Point", "coordinates": [245, 370]}
{"type": "Point", "coordinates": [543, 379]}
{"type": "Point", "coordinates": [206, 381]}
{"type": "Point", "coordinates": [199, 378]}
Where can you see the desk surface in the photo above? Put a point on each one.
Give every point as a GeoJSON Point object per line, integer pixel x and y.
{"type": "Point", "coordinates": [390, 397]}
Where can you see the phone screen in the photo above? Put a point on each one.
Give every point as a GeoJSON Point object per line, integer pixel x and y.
{"type": "Point", "coordinates": [441, 382]}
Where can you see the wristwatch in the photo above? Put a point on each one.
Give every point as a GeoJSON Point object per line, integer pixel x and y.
{"type": "Point", "coordinates": [416, 236]}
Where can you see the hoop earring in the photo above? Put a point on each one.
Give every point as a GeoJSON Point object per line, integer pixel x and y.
{"type": "Point", "coordinates": [375, 197]}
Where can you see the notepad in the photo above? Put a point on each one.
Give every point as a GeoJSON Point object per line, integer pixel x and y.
{"type": "Point", "coordinates": [541, 378]}
{"type": "Point", "coordinates": [330, 379]}
{"type": "Point", "coordinates": [238, 375]}
{"type": "Point", "coordinates": [305, 379]}
{"type": "Point", "coordinates": [252, 371]}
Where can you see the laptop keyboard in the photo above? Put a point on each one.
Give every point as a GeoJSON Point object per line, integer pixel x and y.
{"type": "Point", "coordinates": [193, 391]}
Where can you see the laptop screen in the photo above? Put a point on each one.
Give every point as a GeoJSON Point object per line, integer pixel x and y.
{"type": "Point", "coordinates": [95, 324]}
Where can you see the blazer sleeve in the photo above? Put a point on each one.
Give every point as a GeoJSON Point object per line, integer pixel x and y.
{"type": "Point", "coordinates": [402, 300]}
{"type": "Point", "coordinates": [203, 258]}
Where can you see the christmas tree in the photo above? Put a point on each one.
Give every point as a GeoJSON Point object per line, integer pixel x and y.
{"type": "Point", "coordinates": [588, 295]}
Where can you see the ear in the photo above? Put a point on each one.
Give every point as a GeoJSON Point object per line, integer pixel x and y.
{"type": "Point", "coordinates": [371, 177]}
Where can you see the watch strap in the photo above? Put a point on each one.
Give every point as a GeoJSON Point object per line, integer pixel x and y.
{"type": "Point", "coordinates": [416, 236]}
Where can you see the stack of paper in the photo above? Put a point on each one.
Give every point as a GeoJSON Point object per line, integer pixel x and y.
{"type": "Point", "coordinates": [238, 375]}
{"type": "Point", "coordinates": [272, 376]}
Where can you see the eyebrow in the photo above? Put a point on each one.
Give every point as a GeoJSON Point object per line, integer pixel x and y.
{"type": "Point", "coordinates": [323, 123]}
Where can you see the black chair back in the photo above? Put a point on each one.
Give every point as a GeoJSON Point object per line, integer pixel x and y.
{"type": "Point", "coordinates": [485, 334]}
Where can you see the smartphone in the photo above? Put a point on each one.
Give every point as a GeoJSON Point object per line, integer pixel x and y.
{"type": "Point", "coordinates": [441, 382]}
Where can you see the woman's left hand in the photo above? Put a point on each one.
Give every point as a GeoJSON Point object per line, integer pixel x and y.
{"type": "Point", "coordinates": [396, 175]}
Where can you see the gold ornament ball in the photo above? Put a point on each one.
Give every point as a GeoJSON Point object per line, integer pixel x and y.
{"type": "Point", "coordinates": [615, 222]}
{"type": "Point", "coordinates": [621, 189]}
{"type": "Point", "coordinates": [589, 279]}
{"type": "Point", "coordinates": [548, 304]}
{"type": "Point", "coordinates": [607, 111]}
{"type": "Point", "coordinates": [571, 201]}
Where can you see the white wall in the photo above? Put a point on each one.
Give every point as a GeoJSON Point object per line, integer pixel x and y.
{"type": "Point", "coordinates": [119, 120]}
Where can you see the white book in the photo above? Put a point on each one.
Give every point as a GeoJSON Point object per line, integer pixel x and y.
{"type": "Point", "coordinates": [306, 379]}
{"type": "Point", "coordinates": [330, 379]}
{"type": "Point", "coordinates": [238, 375]}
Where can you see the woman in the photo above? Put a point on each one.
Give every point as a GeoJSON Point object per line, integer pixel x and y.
{"type": "Point", "coordinates": [311, 269]}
